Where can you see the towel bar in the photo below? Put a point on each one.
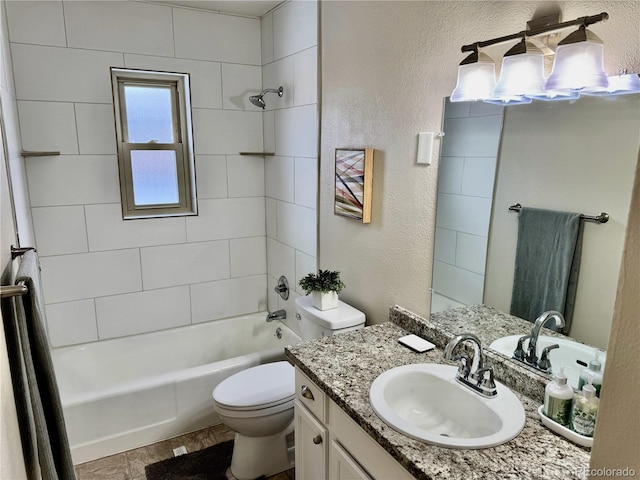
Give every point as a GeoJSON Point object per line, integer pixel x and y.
{"type": "Point", "coordinates": [7, 291]}
{"type": "Point", "coordinates": [602, 218]}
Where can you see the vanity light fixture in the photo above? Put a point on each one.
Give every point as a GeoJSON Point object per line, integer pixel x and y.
{"type": "Point", "coordinates": [622, 84]}
{"type": "Point", "coordinates": [578, 67]}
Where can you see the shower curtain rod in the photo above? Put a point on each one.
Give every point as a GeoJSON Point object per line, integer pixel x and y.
{"type": "Point", "coordinates": [602, 218]}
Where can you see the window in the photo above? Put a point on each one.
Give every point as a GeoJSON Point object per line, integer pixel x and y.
{"type": "Point", "coordinates": [155, 148]}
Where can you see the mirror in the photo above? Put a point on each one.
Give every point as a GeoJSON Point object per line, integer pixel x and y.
{"type": "Point", "coordinates": [577, 156]}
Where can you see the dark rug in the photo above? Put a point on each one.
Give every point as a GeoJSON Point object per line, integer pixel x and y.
{"type": "Point", "coordinates": [208, 464]}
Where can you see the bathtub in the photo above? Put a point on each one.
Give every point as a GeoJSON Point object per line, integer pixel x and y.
{"type": "Point", "coordinates": [125, 393]}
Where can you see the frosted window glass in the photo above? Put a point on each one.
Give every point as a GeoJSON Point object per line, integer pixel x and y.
{"type": "Point", "coordinates": [155, 177]}
{"type": "Point", "coordinates": [149, 114]}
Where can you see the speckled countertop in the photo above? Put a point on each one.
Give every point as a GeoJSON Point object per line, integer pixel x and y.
{"type": "Point", "coordinates": [344, 366]}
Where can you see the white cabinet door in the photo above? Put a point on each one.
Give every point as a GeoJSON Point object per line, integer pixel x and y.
{"type": "Point", "coordinates": [342, 466]}
{"type": "Point", "coordinates": [311, 445]}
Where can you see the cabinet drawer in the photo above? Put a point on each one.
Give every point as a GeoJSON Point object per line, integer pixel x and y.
{"type": "Point", "coordinates": [310, 395]}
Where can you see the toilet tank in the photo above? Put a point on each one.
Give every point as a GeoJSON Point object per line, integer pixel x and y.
{"type": "Point", "coordinates": [317, 323]}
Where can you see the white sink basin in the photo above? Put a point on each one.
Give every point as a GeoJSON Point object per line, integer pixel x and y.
{"type": "Point", "coordinates": [568, 355]}
{"type": "Point", "coordinates": [425, 402]}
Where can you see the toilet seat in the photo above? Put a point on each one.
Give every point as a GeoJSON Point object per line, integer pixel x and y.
{"type": "Point", "coordinates": [272, 389]}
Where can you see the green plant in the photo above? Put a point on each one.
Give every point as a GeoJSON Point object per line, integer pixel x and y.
{"type": "Point", "coordinates": [324, 281]}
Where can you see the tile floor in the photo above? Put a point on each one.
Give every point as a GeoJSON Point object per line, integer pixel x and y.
{"type": "Point", "coordinates": [130, 465]}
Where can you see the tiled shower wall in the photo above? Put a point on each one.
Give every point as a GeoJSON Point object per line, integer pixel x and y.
{"type": "Point", "coordinates": [466, 180]}
{"type": "Point", "coordinates": [104, 277]}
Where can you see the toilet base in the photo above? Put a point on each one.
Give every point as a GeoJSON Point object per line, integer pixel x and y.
{"type": "Point", "coordinates": [257, 456]}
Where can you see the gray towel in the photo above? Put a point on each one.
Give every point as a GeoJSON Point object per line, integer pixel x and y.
{"type": "Point", "coordinates": [547, 263]}
{"type": "Point", "coordinates": [53, 452]}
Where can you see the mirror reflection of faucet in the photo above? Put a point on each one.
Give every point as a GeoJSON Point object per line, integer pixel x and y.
{"type": "Point", "coordinates": [277, 315]}
{"type": "Point", "coordinates": [531, 356]}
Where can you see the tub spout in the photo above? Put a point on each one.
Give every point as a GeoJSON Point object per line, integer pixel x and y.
{"type": "Point", "coordinates": [277, 315]}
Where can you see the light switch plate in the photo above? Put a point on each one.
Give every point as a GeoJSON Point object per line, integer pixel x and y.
{"type": "Point", "coordinates": [425, 148]}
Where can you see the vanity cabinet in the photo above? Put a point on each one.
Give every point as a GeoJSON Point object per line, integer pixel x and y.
{"type": "Point", "coordinates": [330, 445]}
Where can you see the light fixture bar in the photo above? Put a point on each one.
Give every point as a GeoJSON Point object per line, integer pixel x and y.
{"type": "Point", "coordinates": [583, 21]}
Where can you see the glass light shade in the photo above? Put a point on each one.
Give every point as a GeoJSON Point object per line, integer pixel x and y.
{"type": "Point", "coordinates": [620, 85]}
{"type": "Point", "coordinates": [521, 75]}
{"type": "Point", "coordinates": [578, 67]}
{"type": "Point", "coordinates": [476, 81]}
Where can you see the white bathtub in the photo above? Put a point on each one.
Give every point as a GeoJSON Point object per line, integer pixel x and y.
{"type": "Point", "coordinates": [125, 393]}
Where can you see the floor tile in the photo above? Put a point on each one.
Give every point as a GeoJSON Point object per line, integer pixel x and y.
{"type": "Point", "coordinates": [114, 467]}
{"type": "Point", "coordinates": [143, 456]}
{"type": "Point", "coordinates": [194, 441]}
{"type": "Point", "coordinates": [222, 433]}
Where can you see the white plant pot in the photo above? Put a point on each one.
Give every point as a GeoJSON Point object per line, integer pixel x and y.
{"type": "Point", "coordinates": [324, 301]}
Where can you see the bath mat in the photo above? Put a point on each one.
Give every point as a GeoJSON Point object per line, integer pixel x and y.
{"type": "Point", "coordinates": [208, 464]}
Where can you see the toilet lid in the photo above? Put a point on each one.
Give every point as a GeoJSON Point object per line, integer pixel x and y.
{"type": "Point", "coordinates": [257, 387]}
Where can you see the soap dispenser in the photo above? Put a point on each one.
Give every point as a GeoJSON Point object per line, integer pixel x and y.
{"type": "Point", "coordinates": [585, 410]}
{"type": "Point", "coordinates": [557, 399]}
{"type": "Point", "coordinates": [595, 371]}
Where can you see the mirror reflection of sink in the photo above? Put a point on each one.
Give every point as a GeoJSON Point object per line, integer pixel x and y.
{"type": "Point", "coordinates": [425, 402]}
{"type": "Point", "coordinates": [572, 355]}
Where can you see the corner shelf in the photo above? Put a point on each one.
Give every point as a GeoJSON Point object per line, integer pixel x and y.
{"type": "Point", "coordinates": [259, 154]}
{"type": "Point", "coordinates": [29, 153]}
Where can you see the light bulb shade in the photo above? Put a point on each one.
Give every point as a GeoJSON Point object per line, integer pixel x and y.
{"type": "Point", "coordinates": [521, 75]}
{"type": "Point", "coordinates": [620, 85]}
{"type": "Point", "coordinates": [578, 67]}
{"type": "Point", "coordinates": [476, 81]}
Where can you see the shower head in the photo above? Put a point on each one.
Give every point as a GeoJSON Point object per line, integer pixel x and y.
{"type": "Point", "coordinates": [258, 101]}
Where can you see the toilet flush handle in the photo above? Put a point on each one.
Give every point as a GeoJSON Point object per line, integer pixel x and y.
{"type": "Point", "coordinates": [306, 392]}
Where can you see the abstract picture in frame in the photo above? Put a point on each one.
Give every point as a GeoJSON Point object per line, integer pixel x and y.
{"type": "Point", "coordinates": [354, 181]}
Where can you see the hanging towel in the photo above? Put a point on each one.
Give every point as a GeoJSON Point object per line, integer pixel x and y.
{"type": "Point", "coordinates": [42, 397]}
{"type": "Point", "coordinates": [547, 263]}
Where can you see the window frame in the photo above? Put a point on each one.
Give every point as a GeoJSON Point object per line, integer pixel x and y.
{"type": "Point", "coordinates": [182, 146]}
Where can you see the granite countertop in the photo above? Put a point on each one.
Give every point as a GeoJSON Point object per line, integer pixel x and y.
{"type": "Point", "coordinates": [344, 366]}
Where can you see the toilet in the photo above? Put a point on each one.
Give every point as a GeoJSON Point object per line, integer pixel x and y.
{"type": "Point", "coordinates": [257, 403]}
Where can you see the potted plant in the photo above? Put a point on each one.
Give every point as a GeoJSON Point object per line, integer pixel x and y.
{"type": "Point", "coordinates": [324, 288]}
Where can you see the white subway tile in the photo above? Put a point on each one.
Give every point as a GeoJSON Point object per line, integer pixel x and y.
{"type": "Point", "coordinates": [48, 126]}
{"type": "Point", "coordinates": [270, 213]}
{"type": "Point", "coordinates": [108, 231]}
{"type": "Point", "coordinates": [445, 245]}
{"type": "Point", "coordinates": [279, 178]}
{"type": "Point", "coordinates": [211, 36]}
{"type": "Point", "coordinates": [71, 323]}
{"type": "Point", "coordinates": [306, 182]}
{"type": "Point", "coordinates": [39, 22]}
{"type": "Point", "coordinates": [205, 78]}
{"type": "Point", "coordinates": [73, 180]}
{"type": "Point", "coordinates": [96, 128]}
{"type": "Point", "coordinates": [227, 218]}
{"type": "Point", "coordinates": [275, 75]}
{"type": "Point", "coordinates": [60, 230]}
{"type": "Point", "coordinates": [63, 74]}
{"type": "Point", "coordinates": [269, 131]}
{"type": "Point", "coordinates": [305, 264]}
{"type": "Point", "coordinates": [461, 285]}
{"type": "Point", "coordinates": [472, 137]}
{"type": "Point", "coordinates": [87, 275]}
{"type": "Point", "coordinates": [297, 227]}
{"type": "Point", "coordinates": [246, 176]}
{"type": "Point", "coordinates": [305, 77]}
{"type": "Point", "coordinates": [281, 259]}
{"type": "Point", "coordinates": [464, 214]}
{"type": "Point", "coordinates": [450, 172]}
{"type": "Point", "coordinates": [266, 29]}
{"type": "Point", "coordinates": [248, 256]}
{"type": "Point", "coordinates": [295, 28]}
{"type": "Point", "coordinates": [134, 27]}
{"type": "Point", "coordinates": [228, 298]}
{"type": "Point", "coordinates": [173, 265]}
{"type": "Point", "coordinates": [211, 176]}
{"type": "Point", "coordinates": [479, 176]}
{"type": "Point", "coordinates": [226, 131]}
{"type": "Point", "coordinates": [471, 252]}
{"type": "Point", "coordinates": [238, 83]}
{"type": "Point", "coordinates": [297, 132]}
{"type": "Point", "coordinates": [141, 312]}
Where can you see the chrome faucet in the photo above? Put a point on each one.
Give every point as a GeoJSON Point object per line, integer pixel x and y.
{"type": "Point", "coordinates": [532, 357]}
{"type": "Point", "coordinates": [277, 315]}
{"type": "Point", "coordinates": [474, 376]}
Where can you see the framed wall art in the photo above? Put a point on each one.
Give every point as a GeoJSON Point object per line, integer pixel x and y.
{"type": "Point", "coordinates": [354, 181]}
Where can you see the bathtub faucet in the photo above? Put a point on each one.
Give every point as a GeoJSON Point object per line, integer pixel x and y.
{"type": "Point", "coordinates": [277, 315]}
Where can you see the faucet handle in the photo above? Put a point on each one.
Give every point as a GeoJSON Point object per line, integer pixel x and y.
{"type": "Point", "coordinates": [519, 352]}
{"type": "Point", "coordinates": [464, 368]}
{"type": "Point", "coordinates": [544, 363]}
{"type": "Point", "coordinates": [487, 385]}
